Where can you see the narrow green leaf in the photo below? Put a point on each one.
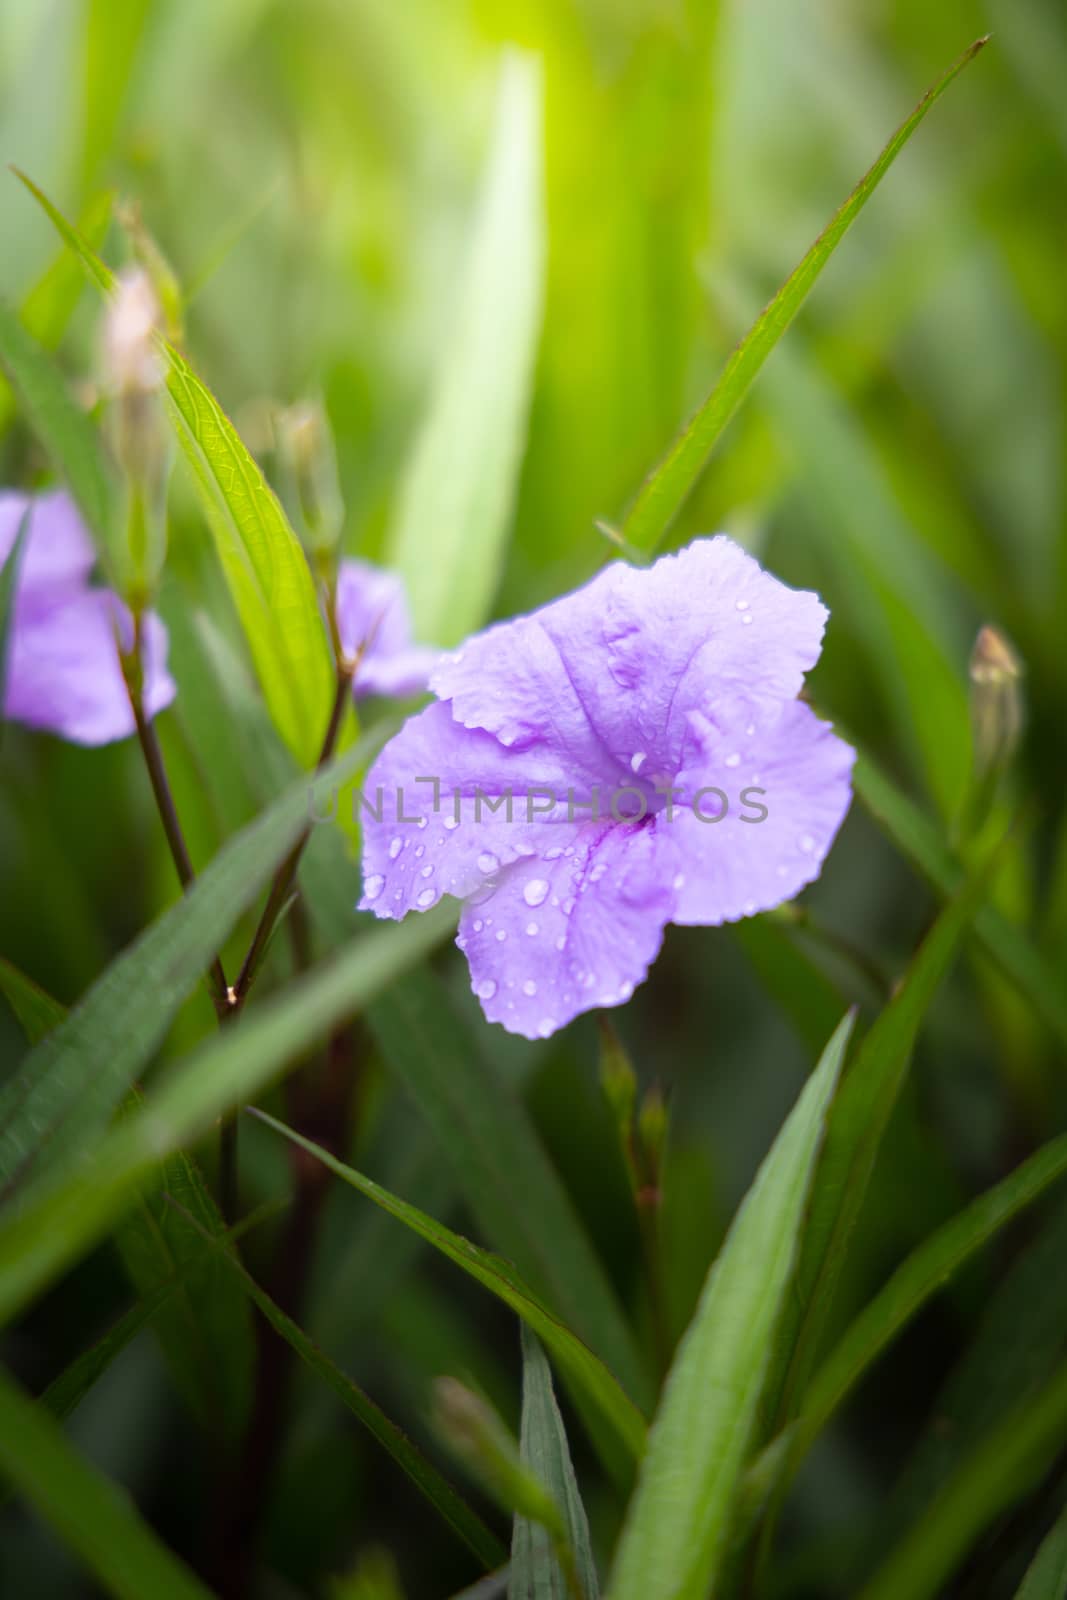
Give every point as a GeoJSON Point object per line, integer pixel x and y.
{"type": "Point", "coordinates": [676, 1530]}
{"type": "Point", "coordinates": [535, 1572]}
{"type": "Point", "coordinates": [1046, 1577]}
{"type": "Point", "coordinates": [511, 1186]}
{"type": "Point", "coordinates": [667, 487]}
{"type": "Point", "coordinates": [450, 528]}
{"type": "Point", "coordinates": [56, 1105]}
{"type": "Point", "coordinates": [1006, 945]}
{"type": "Point", "coordinates": [36, 1011]}
{"type": "Point", "coordinates": [926, 1271]}
{"type": "Point", "coordinates": [261, 556]}
{"type": "Point", "coordinates": [62, 427]}
{"type": "Point", "coordinates": [94, 1518]}
{"type": "Point", "coordinates": [501, 1279]}
{"type": "Point", "coordinates": [204, 1327]}
{"type": "Point", "coordinates": [9, 573]}
{"type": "Point", "coordinates": [1008, 1463]}
{"type": "Point", "coordinates": [74, 1208]}
{"type": "Point", "coordinates": [423, 1474]}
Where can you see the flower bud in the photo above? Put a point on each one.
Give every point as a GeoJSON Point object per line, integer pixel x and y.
{"type": "Point", "coordinates": [132, 362]}
{"type": "Point", "coordinates": [996, 701]}
{"type": "Point", "coordinates": [133, 377]}
{"type": "Point", "coordinates": [652, 1123]}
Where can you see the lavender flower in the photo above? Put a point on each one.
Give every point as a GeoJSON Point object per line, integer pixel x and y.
{"type": "Point", "coordinates": [374, 623]}
{"type": "Point", "coordinates": [663, 699]}
{"type": "Point", "coordinates": [63, 671]}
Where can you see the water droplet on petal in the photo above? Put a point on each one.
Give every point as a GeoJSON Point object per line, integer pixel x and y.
{"type": "Point", "coordinates": [679, 880]}
{"type": "Point", "coordinates": [423, 821]}
{"type": "Point", "coordinates": [597, 872]}
{"type": "Point", "coordinates": [807, 843]}
{"type": "Point", "coordinates": [529, 987]}
{"type": "Point", "coordinates": [427, 871]}
{"type": "Point", "coordinates": [733, 760]}
{"type": "Point", "coordinates": [749, 908]}
{"type": "Point", "coordinates": [427, 897]}
{"type": "Point", "coordinates": [374, 886]}
{"type": "Point", "coordinates": [487, 862]}
{"type": "Point", "coordinates": [546, 1027]}
{"type": "Point", "coordinates": [478, 924]}
{"type": "Point", "coordinates": [742, 605]}
{"type": "Point", "coordinates": [486, 989]}
{"type": "Point", "coordinates": [533, 929]}
{"type": "Point", "coordinates": [535, 892]}
{"type": "Point", "coordinates": [451, 823]}
{"type": "Point", "coordinates": [395, 847]}
{"type": "Point", "coordinates": [625, 990]}
{"type": "Point", "coordinates": [747, 618]}
{"type": "Point", "coordinates": [637, 760]}
{"type": "Point", "coordinates": [561, 942]}
{"type": "Point", "coordinates": [554, 854]}
{"type": "Point", "coordinates": [568, 906]}
{"type": "Point", "coordinates": [420, 852]}
{"type": "Point", "coordinates": [501, 935]}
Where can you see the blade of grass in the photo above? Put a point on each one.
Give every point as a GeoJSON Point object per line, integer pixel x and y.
{"type": "Point", "coordinates": [1046, 1577]}
{"type": "Point", "coordinates": [261, 556]}
{"type": "Point", "coordinates": [1010, 1460]}
{"type": "Point", "coordinates": [9, 573]}
{"type": "Point", "coordinates": [422, 1473]}
{"type": "Point", "coordinates": [535, 1572]}
{"type": "Point", "coordinates": [667, 487]}
{"type": "Point", "coordinates": [35, 1010]}
{"type": "Point", "coordinates": [88, 1512]}
{"type": "Point", "coordinates": [58, 1102]}
{"type": "Point", "coordinates": [455, 501]}
{"type": "Point", "coordinates": [926, 1271]}
{"type": "Point", "coordinates": [500, 1278]}
{"type": "Point", "coordinates": [676, 1530]}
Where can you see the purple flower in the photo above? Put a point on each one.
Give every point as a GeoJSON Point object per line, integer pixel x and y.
{"type": "Point", "coordinates": [373, 621]}
{"type": "Point", "coordinates": [63, 672]}
{"type": "Point", "coordinates": [668, 696]}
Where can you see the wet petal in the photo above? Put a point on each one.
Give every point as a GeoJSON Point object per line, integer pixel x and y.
{"type": "Point", "coordinates": [570, 929]}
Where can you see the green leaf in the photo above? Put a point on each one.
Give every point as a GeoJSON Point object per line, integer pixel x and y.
{"type": "Point", "coordinates": [1046, 1577]}
{"type": "Point", "coordinates": [62, 427]}
{"type": "Point", "coordinates": [676, 1531]}
{"type": "Point", "coordinates": [57, 1104]}
{"type": "Point", "coordinates": [423, 1474]}
{"type": "Point", "coordinates": [926, 1271]}
{"type": "Point", "coordinates": [668, 486]}
{"type": "Point", "coordinates": [1008, 1463]}
{"type": "Point", "coordinates": [203, 1327]}
{"type": "Point", "coordinates": [9, 573]}
{"type": "Point", "coordinates": [507, 1179]}
{"type": "Point", "coordinates": [535, 1571]}
{"type": "Point", "coordinates": [500, 1278]}
{"type": "Point", "coordinates": [94, 1518]}
{"type": "Point", "coordinates": [1006, 945]}
{"type": "Point", "coordinates": [261, 556]}
{"type": "Point", "coordinates": [73, 1208]}
{"type": "Point", "coordinates": [36, 1011]}
{"type": "Point", "coordinates": [454, 508]}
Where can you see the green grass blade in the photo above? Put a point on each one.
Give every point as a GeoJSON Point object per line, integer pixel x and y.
{"type": "Point", "coordinates": [261, 556]}
{"type": "Point", "coordinates": [57, 1104]}
{"type": "Point", "coordinates": [1006, 945]}
{"type": "Point", "coordinates": [498, 1276]}
{"type": "Point", "coordinates": [35, 1010]}
{"type": "Point", "coordinates": [450, 528]}
{"type": "Point", "coordinates": [926, 1271]}
{"type": "Point", "coordinates": [535, 1571]}
{"type": "Point", "coordinates": [74, 1209]}
{"type": "Point", "coordinates": [666, 489]}
{"type": "Point", "coordinates": [508, 1181]}
{"type": "Point", "coordinates": [9, 573]}
{"type": "Point", "coordinates": [1046, 1577]}
{"type": "Point", "coordinates": [62, 427]}
{"type": "Point", "coordinates": [93, 1517]}
{"type": "Point", "coordinates": [677, 1527]}
{"type": "Point", "coordinates": [422, 1473]}
{"type": "Point", "coordinates": [1007, 1464]}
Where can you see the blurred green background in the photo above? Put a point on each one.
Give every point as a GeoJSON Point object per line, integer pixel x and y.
{"type": "Point", "coordinates": [311, 171]}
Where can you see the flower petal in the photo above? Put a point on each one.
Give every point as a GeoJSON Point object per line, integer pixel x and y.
{"type": "Point", "coordinates": [573, 929]}
{"type": "Point", "coordinates": [373, 618]}
{"type": "Point", "coordinates": [59, 553]}
{"type": "Point", "coordinates": [745, 863]}
{"type": "Point", "coordinates": [608, 675]}
{"type": "Point", "coordinates": [420, 841]}
{"type": "Point", "coordinates": [64, 674]}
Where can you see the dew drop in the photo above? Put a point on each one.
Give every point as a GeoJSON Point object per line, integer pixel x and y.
{"type": "Point", "coordinates": [423, 822]}
{"type": "Point", "coordinates": [733, 760]}
{"type": "Point", "coordinates": [597, 872]}
{"type": "Point", "coordinates": [427, 871]}
{"type": "Point", "coordinates": [637, 760]}
{"type": "Point", "coordinates": [807, 843]}
{"type": "Point", "coordinates": [561, 942]}
{"type": "Point", "coordinates": [568, 906]}
{"type": "Point", "coordinates": [486, 989]}
{"type": "Point", "coordinates": [535, 892]}
{"type": "Point", "coordinates": [395, 847]}
{"type": "Point", "coordinates": [554, 854]}
{"type": "Point", "coordinates": [749, 908]}
{"type": "Point", "coordinates": [427, 897]}
{"type": "Point", "coordinates": [487, 862]}
{"type": "Point", "coordinates": [478, 924]}
{"type": "Point", "coordinates": [546, 1027]}
{"type": "Point", "coordinates": [420, 852]}
{"type": "Point", "coordinates": [747, 618]}
{"type": "Point", "coordinates": [533, 929]}
{"type": "Point", "coordinates": [451, 823]}
{"type": "Point", "coordinates": [625, 990]}
{"type": "Point", "coordinates": [501, 935]}
{"type": "Point", "coordinates": [679, 880]}
{"type": "Point", "coordinates": [529, 987]}
{"type": "Point", "coordinates": [742, 605]}
{"type": "Point", "coordinates": [373, 886]}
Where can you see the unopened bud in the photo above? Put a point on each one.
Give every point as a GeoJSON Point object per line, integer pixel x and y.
{"type": "Point", "coordinates": [652, 1123]}
{"type": "Point", "coordinates": [133, 364]}
{"type": "Point", "coordinates": [166, 286]}
{"type": "Point", "coordinates": [996, 701]}
{"type": "Point", "coordinates": [480, 1438]}
{"type": "Point", "coordinates": [305, 444]}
